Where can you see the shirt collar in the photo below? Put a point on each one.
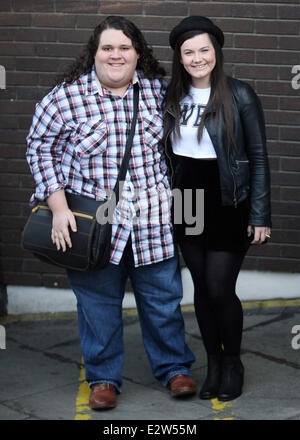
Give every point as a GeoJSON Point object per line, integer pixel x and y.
{"type": "Point", "coordinates": [99, 88]}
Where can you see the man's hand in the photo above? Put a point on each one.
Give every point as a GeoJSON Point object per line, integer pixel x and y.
{"type": "Point", "coordinates": [63, 218]}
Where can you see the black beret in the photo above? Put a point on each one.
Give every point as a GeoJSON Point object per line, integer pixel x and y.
{"type": "Point", "coordinates": [195, 23]}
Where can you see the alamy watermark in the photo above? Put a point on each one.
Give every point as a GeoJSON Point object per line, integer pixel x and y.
{"type": "Point", "coordinates": [154, 207]}
{"type": "Point", "coordinates": [296, 78]}
{"type": "Point", "coordinates": [2, 338]}
{"type": "Point", "coordinates": [2, 77]}
{"type": "Point", "coordinates": [296, 339]}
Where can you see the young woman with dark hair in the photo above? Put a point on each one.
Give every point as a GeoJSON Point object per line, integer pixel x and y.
{"type": "Point", "coordinates": [215, 140]}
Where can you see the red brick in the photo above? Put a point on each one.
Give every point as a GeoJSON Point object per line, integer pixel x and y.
{"type": "Point", "coordinates": [232, 25]}
{"type": "Point", "coordinates": [279, 88]}
{"type": "Point", "coordinates": [256, 72]}
{"type": "Point", "coordinates": [289, 12]}
{"type": "Point", "coordinates": [170, 8]}
{"type": "Point", "coordinates": [211, 9]}
{"type": "Point", "coordinates": [282, 118]}
{"type": "Point", "coordinates": [54, 20]}
{"type": "Point", "coordinates": [5, 5]}
{"type": "Point", "coordinates": [21, 279]}
{"type": "Point", "coordinates": [277, 57]}
{"type": "Point", "coordinates": [254, 41]}
{"type": "Point", "coordinates": [33, 5]}
{"type": "Point", "coordinates": [58, 50]}
{"type": "Point", "coordinates": [277, 27]}
{"type": "Point", "coordinates": [284, 148]}
{"type": "Point", "coordinates": [121, 8]}
{"type": "Point", "coordinates": [57, 281]}
{"type": "Point", "coordinates": [285, 178]}
{"type": "Point", "coordinates": [290, 194]}
{"type": "Point", "coordinates": [9, 180]}
{"type": "Point", "coordinates": [285, 222]}
{"type": "Point", "coordinates": [39, 38]}
{"type": "Point", "coordinates": [16, 49]}
{"type": "Point", "coordinates": [11, 151]}
{"type": "Point", "coordinates": [290, 164]}
{"type": "Point", "coordinates": [42, 64]}
{"type": "Point", "coordinates": [73, 36]}
{"type": "Point", "coordinates": [8, 19]}
{"type": "Point", "coordinates": [290, 133]}
{"type": "Point", "coordinates": [289, 103]}
{"type": "Point", "coordinates": [290, 251]}
{"type": "Point", "coordinates": [77, 6]}
{"type": "Point", "coordinates": [40, 34]}
{"type": "Point", "coordinates": [272, 264]}
{"type": "Point", "coordinates": [86, 21]}
{"type": "Point", "coordinates": [239, 56]}
{"type": "Point", "coordinates": [254, 11]}
{"type": "Point", "coordinates": [289, 43]}
{"type": "Point", "coordinates": [22, 78]}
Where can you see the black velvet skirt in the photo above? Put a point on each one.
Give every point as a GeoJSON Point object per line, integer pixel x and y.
{"type": "Point", "coordinates": [225, 227]}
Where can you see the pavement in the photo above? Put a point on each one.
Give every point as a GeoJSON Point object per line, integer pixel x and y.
{"type": "Point", "coordinates": [42, 372]}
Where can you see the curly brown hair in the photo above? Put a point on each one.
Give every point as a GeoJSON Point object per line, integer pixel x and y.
{"type": "Point", "coordinates": [85, 61]}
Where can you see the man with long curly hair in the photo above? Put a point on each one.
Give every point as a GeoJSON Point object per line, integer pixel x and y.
{"type": "Point", "coordinates": [76, 144]}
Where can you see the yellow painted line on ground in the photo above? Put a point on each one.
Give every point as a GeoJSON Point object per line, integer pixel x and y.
{"type": "Point", "coordinates": [280, 302]}
{"type": "Point", "coordinates": [218, 407]}
{"type": "Point", "coordinates": [131, 312]}
{"type": "Point", "coordinates": [83, 411]}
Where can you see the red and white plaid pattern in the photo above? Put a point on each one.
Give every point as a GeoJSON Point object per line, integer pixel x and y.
{"type": "Point", "coordinates": [77, 141]}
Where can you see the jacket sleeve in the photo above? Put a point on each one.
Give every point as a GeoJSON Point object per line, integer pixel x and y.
{"type": "Point", "coordinates": [45, 145]}
{"type": "Point", "coordinates": [252, 118]}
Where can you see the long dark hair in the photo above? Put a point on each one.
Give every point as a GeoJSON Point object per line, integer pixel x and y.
{"type": "Point", "coordinates": [220, 99]}
{"type": "Point", "coordinates": [84, 62]}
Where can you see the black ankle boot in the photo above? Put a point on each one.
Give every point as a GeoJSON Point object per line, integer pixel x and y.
{"type": "Point", "coordinates": [232, 378]}
{"type": "Point", "coordinates": [210, 388]}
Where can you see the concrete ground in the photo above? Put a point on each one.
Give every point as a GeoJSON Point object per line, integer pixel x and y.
{"type": "Point", "coordinates": [42, 374]}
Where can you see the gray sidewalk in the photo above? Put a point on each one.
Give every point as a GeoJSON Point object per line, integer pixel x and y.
{"type": "Point", "coordinates": [41, 372]}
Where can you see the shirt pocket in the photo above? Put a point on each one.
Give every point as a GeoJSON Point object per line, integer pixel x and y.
{"type": "Point", "coordinates": [90, 138]}
{"type": "Point", "coordinates": [152, 129]}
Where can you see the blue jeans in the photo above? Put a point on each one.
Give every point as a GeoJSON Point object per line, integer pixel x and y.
{"type": "Point", "coordinates": [158, 292]}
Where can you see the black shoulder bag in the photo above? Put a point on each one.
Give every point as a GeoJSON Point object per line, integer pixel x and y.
{"type": "Point", "coordinates": [91, 244]}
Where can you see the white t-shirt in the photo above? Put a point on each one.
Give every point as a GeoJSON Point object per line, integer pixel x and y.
{"type": "Point", "coordinates": [192, 107]}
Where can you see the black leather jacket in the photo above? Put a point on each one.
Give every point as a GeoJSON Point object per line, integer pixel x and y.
{"type": "Point", "coordinates": [245, 173]}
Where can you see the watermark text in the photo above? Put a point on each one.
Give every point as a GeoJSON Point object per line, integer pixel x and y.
{"type": "Point", "coordinates": [2, 338]}
{"type": "Point", "coordinates": [296, 78]}
{"type": "Point", "coordinates": [154, 207]}
{"type": "Point", "coordinates": [2, 77]}
{"type": "Point", "coordinates": [296, 339]}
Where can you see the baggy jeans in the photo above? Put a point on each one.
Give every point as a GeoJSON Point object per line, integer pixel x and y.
{"type": "Point", "coordinates": [158, 292]}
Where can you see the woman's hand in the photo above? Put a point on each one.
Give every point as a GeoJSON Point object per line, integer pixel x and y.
{"type": "Point", "coordinates": [261, 233]}
{"type": "Point", "coordinates": [63, 218]}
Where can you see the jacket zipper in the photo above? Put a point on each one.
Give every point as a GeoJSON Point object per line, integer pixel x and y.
{"type": "Point", "coordinates": [234, 184]}
{"type": "Point", "coordinates": [77, 214]}
{"type": "Point", "coordinates": [166, 142]}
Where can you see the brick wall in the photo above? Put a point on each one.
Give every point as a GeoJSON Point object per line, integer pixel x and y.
{"type": "Point", "coordinates": [38, 38]}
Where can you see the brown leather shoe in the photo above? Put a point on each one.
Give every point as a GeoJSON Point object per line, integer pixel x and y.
{"type": "Point", "coordinates": [182, 385]}
{"type": "Point", "coordinates": [103, 396]}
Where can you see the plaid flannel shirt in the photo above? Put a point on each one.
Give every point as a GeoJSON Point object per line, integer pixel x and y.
{"type": "Point", "coordinates": [76, 142]}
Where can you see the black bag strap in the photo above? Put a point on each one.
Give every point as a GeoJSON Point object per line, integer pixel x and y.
{"type": "Point", "coordinates": [126, 158]}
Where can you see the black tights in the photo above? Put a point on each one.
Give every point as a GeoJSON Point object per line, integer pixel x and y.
{"type": "Point", "coordinates": [218, 309]}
